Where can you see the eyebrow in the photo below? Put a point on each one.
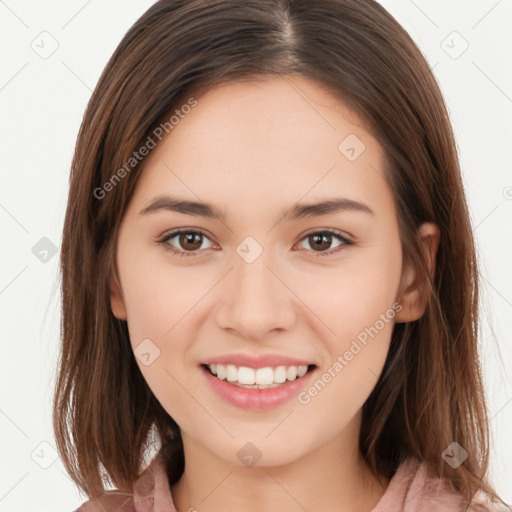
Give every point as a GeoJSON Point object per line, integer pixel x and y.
{"type": "Point", "coordinates": [299, 211]}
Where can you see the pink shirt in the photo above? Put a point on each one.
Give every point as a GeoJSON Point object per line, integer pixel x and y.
{"type": "Point", "coordinates": [411, 489]}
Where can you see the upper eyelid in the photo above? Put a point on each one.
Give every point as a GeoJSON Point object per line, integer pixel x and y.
{"type": "Point", "coordinates": [175, 232]}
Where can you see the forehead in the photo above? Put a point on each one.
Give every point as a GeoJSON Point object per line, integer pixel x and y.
{"type": "Point", "coordinates": [273, 140]}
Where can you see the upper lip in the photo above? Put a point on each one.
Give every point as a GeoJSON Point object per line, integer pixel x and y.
{"type": "Point", "coordinates": [257, 361]}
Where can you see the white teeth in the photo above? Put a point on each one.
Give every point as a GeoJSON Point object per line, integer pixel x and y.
{"type": "Point", "coordinates": [280, 374]}
{"type": "Point", "coordinates": [246, 376]}
{"type": "Point", "coordinates": [261, 378]}
{"type": "Point", "coordinates": [221, 371]}
{"type": "Point", "coordinates": [301, 371]}
{"type": "Point", "coordinates": [291, 372]}
{"type": "Point", "coordinates": [231, 373]}
{"type": "Point", "coordinates": [255, 386]}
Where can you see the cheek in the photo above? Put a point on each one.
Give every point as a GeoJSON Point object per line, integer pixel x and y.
{"type": "Point", "coordinates": [157, 299]}
{"type": "Point", "coordinates": [158, 294]}
{"type": "Point", "coordinates": [357, 353]}
{"type": "Point", "coordinates": [161, 302]}
{"type": "Point", "coordinates": [356, 298]}
{"type": "Point", "coordinates": [357, 305]}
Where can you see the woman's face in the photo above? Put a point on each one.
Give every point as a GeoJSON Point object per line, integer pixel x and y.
{"type": "Point", "coordinates": [295, 263]}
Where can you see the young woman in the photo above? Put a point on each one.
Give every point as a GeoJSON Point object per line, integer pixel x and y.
{"type": "Point", "coordinates": [267, 261]}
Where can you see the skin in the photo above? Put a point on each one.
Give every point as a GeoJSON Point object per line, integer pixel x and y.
{"type": "Point", "coordinates": [254, 150]}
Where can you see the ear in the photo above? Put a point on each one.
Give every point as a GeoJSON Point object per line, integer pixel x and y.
{"type": "Point", "coordinates": [413, 296]}
{"type": "Point", "coordinates": [116, 299]}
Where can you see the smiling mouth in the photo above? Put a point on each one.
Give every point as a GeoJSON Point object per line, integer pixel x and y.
{"type": "Point", "coordinates": [257, 378]}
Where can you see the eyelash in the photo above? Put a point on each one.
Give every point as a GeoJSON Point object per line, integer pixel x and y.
{"type": "Point", "coordinates": [165, 239]}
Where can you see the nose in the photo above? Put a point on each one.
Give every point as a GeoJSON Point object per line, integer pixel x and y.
{"type": "Point", "coordinates": [255, 299]}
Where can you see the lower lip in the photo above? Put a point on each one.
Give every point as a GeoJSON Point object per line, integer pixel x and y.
{"type": "Point", "coordinates": [248, 398]}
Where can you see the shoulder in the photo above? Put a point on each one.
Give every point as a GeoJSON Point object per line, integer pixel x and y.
{"type": "Point", "coordinates": [479, 504]}
{"type": "Point", "coordinates": [151, 491]}
{"type": "Point", "coordinates": [111, 501]}
{"type": "Point", "coordinates": [415, 487]}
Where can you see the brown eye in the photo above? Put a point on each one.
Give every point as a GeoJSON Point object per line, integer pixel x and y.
{"type": "Point", "coordinates": [190, 241]}
{"type": "Point", "coordinates": [187, 243]}
{"type": "Point", "coordinates": [321, 242]}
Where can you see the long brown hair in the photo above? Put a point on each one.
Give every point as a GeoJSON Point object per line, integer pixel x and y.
{"type": "Point", "coordinates": [430, 393]}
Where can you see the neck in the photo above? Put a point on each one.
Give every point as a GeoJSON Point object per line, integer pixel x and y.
{"type": "Point", "coordinates": [330, 478]}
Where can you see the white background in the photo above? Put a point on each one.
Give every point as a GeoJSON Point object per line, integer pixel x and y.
{"type": "Point", "coordinates": [42, 102]}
